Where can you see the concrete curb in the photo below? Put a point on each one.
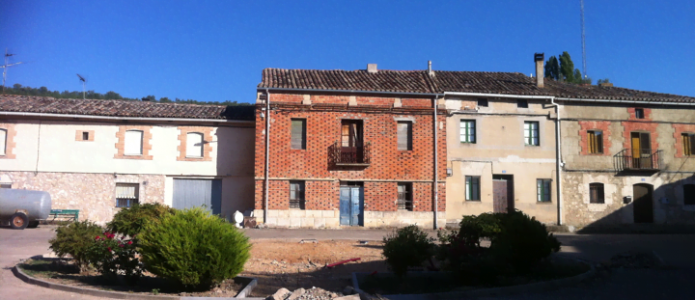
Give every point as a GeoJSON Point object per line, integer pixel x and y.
{"type": "Point", "coordinates": [499, 291]}
{"type": "Point", "coordinates": [121, 295]}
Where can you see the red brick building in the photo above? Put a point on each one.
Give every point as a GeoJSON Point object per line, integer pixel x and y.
{"type": "Point", "coordinates": [349, 148]}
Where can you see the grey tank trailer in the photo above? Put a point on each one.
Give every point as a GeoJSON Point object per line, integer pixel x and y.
{"type": "Point", "coordinates": [22, 208]}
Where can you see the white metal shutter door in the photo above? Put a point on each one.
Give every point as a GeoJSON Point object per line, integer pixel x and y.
{"type": "Point", "coordinates": [189, 193]}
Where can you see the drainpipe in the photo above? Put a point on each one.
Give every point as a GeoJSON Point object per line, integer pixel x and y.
{"type": "Point", "coordinates": [436, 169]}
{"type": "Point", "coordinates": [267, 153]}
{"type": "Point", "coordinates": [558, 161]}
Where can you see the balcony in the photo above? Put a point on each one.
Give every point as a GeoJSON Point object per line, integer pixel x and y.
{"type": "Point", "coordinates": [349, 156]}
{"type": "Point", "coordinates": [625, 162]}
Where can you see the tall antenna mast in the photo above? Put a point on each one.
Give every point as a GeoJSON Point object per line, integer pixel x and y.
{"type": "Point", "coordinates": [5, 66]}
{"type": "Point", "coordinates": [581, 3]}
{"type": "Point", "coordinates": [84, 83]}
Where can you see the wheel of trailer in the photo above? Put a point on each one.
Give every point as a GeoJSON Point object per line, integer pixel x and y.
{"type": "Point", "coordinates": [19, 221]}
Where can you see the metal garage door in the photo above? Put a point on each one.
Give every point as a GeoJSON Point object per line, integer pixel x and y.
{"type": "Point", "coordinates": [190, 193]}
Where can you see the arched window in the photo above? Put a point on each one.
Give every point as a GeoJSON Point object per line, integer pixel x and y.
{"type": "Point", "coordinates": [596, 193]}
{"type": "Point", "coordinates": [194, 144]}
{"type": "Point", "coordinates": [689, 194]}
{"type": "Point", "coordinates": [3, 141]}
{"type": "Point", "coordinates": [133, 142]}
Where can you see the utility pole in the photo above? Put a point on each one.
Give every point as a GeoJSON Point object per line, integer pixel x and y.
{"type": "Point", "coordinates": [5, 66]}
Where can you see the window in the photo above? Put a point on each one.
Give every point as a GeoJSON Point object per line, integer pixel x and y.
{"type": "Point", "coordinates": [127, 194]}
{"type": "Point", "coordinates": [531, 133]}
{"type": "Point", "coordinates": [3, 141]}
{"type": "Point", "coordinates": [688, 144]}
{"type": "Point", "coordinates": [472, 188]}
{"type": "Point", "coordinates": [133, 142]}
{"type": "Point", "coordinates": [297, 194]}
{"type": "Point", "coordinates": [543, 187]}
{"type": "Point", "coordinates": [5, 185]}
{"type": "Point", "coordinates": [405, 196]}
{"type": "Point", "coordinates": [298, 134]}
{"type": "Point", "coordinates": [194, 144]}
{"type": "Point", "coordinates": [482, 102]}
{"type": "Point", "coordinates": [596, 193]}
{"type": "Point", "coordinates": [595, 141]}
{"type": "Point", "coordinates": [85, 135]}
{"type": "Point", "coordinates": [467, 131]}
{"type": "Point", "coordinates": [689, 194]}
{"type": "Point", "coordinates": [522, 103]}
{"type": "Point", "coordinates": [351, 133]}
{"type": "Point", "coordinates": [639, 113]}
{"type": "Point", "coordinates": [405, 136]}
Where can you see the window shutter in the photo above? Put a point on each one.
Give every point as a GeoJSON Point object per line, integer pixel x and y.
{"type": "Point", "coordinates": [599, 142]}
{"type": "Point", "coordinates": [691, 144]}
{"type": "Point", "coordinates": [194, 144]}
{"type": "Point", "coordinates": [592, 142]}
{"type": "Point", "coordinates": [133, 142]}
{"type": "Point", "coordinates": [3, 141]}
{"type": "Point", "coordinates": [404, 136]}
{"type": "Point", "coordinates": [129, 191]}
{"type": "Point", "coordinates": [298, 134]}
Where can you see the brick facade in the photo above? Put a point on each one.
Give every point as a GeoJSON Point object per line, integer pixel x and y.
{"type": "Point", "coordinates": [604, 127]}
{"type": "Point", "coordinates": [207, 139]}
{"type": "Point", "coordinates": [640, 127]}
{"type": "Point", "coordinates": [146, 142]}
{"type": "Point", "coordinates": [9, 141]}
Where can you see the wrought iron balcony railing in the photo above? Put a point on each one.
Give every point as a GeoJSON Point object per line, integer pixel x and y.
{"type": "Point", "coordinates": [625, 161]}
{"type": "Point", "coordinates": [350, 156]}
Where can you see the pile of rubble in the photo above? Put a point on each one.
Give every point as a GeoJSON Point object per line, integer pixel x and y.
{"type": "Point", "coordinates": [315, 293]}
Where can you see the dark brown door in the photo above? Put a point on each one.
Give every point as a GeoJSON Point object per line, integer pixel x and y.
{"type": "Point", "coordinates": [502, 193]}
{"type": "Point", "coordinates": [643, 206]}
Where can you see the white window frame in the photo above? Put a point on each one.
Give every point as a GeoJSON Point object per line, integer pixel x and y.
{"type": "Point", "coordinates": [467, 133]}
{"type": "Point", "coordinates": [531, 133]}
{"type": "Point", "coordinates": [195, 147]}
{"type": "Point", "coordinates": [3, 141]}
{"type": "Point", "coordinates": [129, 139]}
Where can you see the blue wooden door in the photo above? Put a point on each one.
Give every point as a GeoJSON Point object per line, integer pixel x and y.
{"type": "Point", "coordinates": [351, 206]}
{"type": "Point", "coordinates": [345, 206]}
{"type": "Point", "coordinates": [355, 206]}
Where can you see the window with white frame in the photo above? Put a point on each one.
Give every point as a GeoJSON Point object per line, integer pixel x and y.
{"type": "Point", "coordinates": [543, 187]}
{"type": "Point", "coordinates": [531, 133]}
{"type": "Point", "coordinates": [194, 144]}
{"type": "Point", "coordinates": [127, 194]}
{"type": "Point", "coordinates": [467, 131]}
{"type": "Point", "coordinates": [3, 141]}
{"type": "Point", "coordinates": [472, 188]}
{"type": "Point", "coordinates": [133, 142]}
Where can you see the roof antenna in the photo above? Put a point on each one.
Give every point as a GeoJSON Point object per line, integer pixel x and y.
{"type": "Point", "coordinates": [581, 3]}
{"type": "Point", "coordinates": [84, 84]}
{"type": "Point", "coordinates": [5, 66]}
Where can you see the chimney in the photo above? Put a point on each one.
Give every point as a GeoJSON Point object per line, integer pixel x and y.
{"type": "Point", "coordinates": [539, 58]}
{"type": "Point", "coordinates": [371, 68]}
{"type": "Point", "coordinates": [429, 68]}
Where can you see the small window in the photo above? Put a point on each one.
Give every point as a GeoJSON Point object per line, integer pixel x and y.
{"type": "Point", "coordinates": [596, 193]}
{"type": "Point", "coordinates": [482, 102]}
{"type": "Point", "coordinates": [298, 134]}
{"type": "Point", "coordinates": [3, 141]}
{"type": "Point", "coordinates": [689, 194]}
{"type": "Point", "coordinates": [688, 144]}
{"type": "Point", "coordinates": [405, 136]}
{"type": "Point", "coordinates": [5, 185]}
{"type": "Point", "coordinates": [531, 134]}
{"type": "Point", "coordinates": [472, 188]}
{"type": "Point", "coordinates": [127, 194]}
{"type": "Point", "coordinates": [85, 135]}
{"type": "Point", "coordinates": [467, 131]}
{"type": "Point", "coordinates": [194, 144]}
{"type": "Point", "coordinates": [133, 142]}
{"type": "Point", "coordinates": [522, 103]}
{"type": "Point", "coordinates": [405, 196]}
{"type": "Point", "coordinates": [639, 113]}
{"type": "Point", "coordinates": [297, 194]}
{"type": "Point", "coordinates": [595, 141]}
{"type": "Point", "coordinates": [543, 187]}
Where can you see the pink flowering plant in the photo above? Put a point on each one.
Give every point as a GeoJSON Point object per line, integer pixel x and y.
{"type": "Point", "coordinates": [112, 256]}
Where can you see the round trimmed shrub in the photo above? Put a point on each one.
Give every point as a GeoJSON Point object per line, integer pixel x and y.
{"type": "Point", "coordinates": [194, 249]}
{"type": "Point", "coordinates": [407, 247]}
{"type": "Point", "coordinates": [131, 221]}
{"type": "Point", "coordinates": [75, 239]}
{"type": "Point", "coordinates": [523, 242]}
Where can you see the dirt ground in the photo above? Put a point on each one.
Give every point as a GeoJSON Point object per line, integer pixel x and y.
{"type": "Point", "coordinates": [293, 265]}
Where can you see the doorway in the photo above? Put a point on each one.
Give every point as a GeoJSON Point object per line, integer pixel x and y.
{"type": "Point", "coordinates": [503, 193]}
{"type": "Point", "coordinates": [641, 150]}
{"type": "Point", "coordinates": [351, 204]}
{"type": "Point", "coordinates": [189, 193]}
{"type": "Point", "coordinates": [643, 206]}
{"type": "Point", "coordinates": [351, 141]}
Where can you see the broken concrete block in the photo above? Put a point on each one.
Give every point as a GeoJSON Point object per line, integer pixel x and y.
{"type": "Point", "coordinates": [349, 297]}
{"type": "Point", "coordinates": [279, 295]}
{"type": "Point", "coordinates": [298, 292]}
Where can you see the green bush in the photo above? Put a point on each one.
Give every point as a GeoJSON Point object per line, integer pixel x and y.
{"type": "Point", "coordinates": [407, 247]}
{"type": "Point", "coordinates": [131, 221]}
{"type": "Point", "coordinates": [523, 242]}
{"type": "Point", "coordinates": [75, 239]}
{"type": "Point", "coordinates": [193, 248]}
{"type": "Point", "coordinates": [473, 228]}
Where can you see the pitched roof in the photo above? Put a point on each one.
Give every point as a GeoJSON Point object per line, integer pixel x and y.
{"type": "Point", "coordinates": [450, 81]}
{"type": "Point", "coordinates": [122, 108]}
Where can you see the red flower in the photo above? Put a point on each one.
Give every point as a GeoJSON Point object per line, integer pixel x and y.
{"type": "Point", "coordinates": [121, 245]}
{"type": "Point", "coordinates": [96, 238]}
{"type": "Point", "coordinates": [130, 242]}
{"type": "Point", "coordinates": [109, 248]}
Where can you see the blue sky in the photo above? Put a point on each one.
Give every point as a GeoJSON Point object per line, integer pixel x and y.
{"type": "Point", "coordinates": [216, 50]}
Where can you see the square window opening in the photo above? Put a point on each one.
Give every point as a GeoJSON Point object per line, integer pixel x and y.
{"type": "Point", "coordinates": [297, 195]}
{"type": "Point", "coordinates": [482, 102]}
{"type": "Point", "coordinates": [531, 137]}
{"type": "Point", "coordinates": [298, 133]}
{"type": "Point", "coordinates": [596, 193]}
{"type": "Point", "coordinates": [467, 131]}
{"type": "Point", "coordinates": [522, 103]}
{"type": "Point", "coordinates": [405, 135]}
{"type": "Point", "coordinates": [595, 141]}
{"type": "Point", "coordinates": [85, 136]}
{"type": "Point", "coordinates": [639, 113]}
{"type": "Point", "coordinates": [688, 144]}
{"type": "Point", "coordinates": [127, 194]}
{"type": "Point", "coordinates": [472, 188]}
{"type": "Point", "coordinates": [543, 190]}
{"type": "Point", "coordinates": [405, 196]}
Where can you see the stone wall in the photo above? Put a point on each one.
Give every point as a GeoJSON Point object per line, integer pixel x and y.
{"type": "Point", "coordinates": [92, 194]}
{"type": "Point", "coordinates": [295, 218]}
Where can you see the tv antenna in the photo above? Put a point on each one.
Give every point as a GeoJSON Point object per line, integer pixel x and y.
{"type": "Point", "coordinates": [84, 85]}
{"type": "Point", "coordinates": [5, 66]}
{"type": "Point", "coordinates": [581, 4]}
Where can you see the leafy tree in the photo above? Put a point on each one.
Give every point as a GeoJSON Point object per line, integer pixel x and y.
{"type": "Point", "coordinates": [563, 69]}
{"type": "Point", "coordinates": [600, 81]}
{"type": "Point", "coordinates": [552, 68]}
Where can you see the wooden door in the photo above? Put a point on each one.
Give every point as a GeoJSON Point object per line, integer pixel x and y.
{"type": "Point", "coordinates": [643, 206]}
{"type": "Point", "coordinates": [351, 206]}
{"type": "Point", "coordinates": [641, 150]}
{"type": "Point", "coordinates": [499, 195]}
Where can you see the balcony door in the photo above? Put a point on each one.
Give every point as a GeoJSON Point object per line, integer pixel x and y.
{"type": "Point", "coordinates": [641, 150]}
{"type": "Point", "coordinates": [351, 141]}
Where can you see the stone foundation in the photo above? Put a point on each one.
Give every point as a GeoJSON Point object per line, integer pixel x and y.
{"type": "Point", "coordinates": [295, 218]}
{"type": "Point", "coordinates": [92, 194]}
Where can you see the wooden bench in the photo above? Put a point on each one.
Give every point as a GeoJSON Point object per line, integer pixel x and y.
{"type": "Point", "coordinates": [70, 214]}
